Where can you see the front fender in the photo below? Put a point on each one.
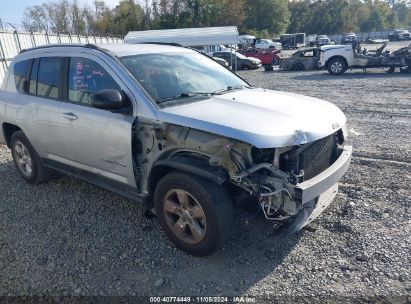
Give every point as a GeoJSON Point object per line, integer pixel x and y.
{"type": "Point", "coordinates": [196, 166]}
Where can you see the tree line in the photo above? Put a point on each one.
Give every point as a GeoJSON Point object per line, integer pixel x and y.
{"type": "Point", "coordinates": [262, 18]}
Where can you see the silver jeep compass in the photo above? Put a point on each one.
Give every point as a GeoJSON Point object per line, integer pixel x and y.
{"type": "Point", "coordinates": [173, 129]}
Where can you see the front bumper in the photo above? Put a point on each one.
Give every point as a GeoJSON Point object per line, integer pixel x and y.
{"type": "Point", "coordinates": [317, 193]}
{"type": "Point", "coordinates": [314, 187]}
{"type": "Point", "coordinates": [310, 211]}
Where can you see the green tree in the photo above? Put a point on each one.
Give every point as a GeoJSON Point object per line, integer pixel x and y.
{"type": "Point", "coordinates": [127, 16]}
{"type": "Point", "coordinates": [299, 15]}
{"type": "Point", "coordinates": [264, 18]}
{"type": "Point", "coordinates": [402, 11]}
{"type": "Point", "coordinates": [272, 15]}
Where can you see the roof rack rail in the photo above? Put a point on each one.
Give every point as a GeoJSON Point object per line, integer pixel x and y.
{"type": "Point", "coordinates": [87, 45]}
{"type": "Point", "coordinates": [57, 45]}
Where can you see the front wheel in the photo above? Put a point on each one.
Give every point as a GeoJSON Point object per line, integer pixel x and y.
{"type": "Point", "coordinates": [337, 66]}
{"type": "Point", "coordinates": [194, 213]}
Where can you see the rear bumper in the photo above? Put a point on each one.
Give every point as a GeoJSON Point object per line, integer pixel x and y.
{"type": "Point", "coordinates": [314, 187]}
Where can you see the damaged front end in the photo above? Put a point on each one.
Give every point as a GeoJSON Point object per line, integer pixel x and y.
{"type": "Point", "coordinates": [294, 184]}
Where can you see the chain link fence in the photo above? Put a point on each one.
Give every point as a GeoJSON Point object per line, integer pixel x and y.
{"type": "Point", "coordinates": [12, 42]}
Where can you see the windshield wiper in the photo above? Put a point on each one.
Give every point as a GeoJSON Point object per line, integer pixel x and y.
{"type": "Point", "coordinates": [231, 88]}
{"type": "Point", "coordinates": [184, 95]}
{"type": "Point", "coordinates": [193, 94]}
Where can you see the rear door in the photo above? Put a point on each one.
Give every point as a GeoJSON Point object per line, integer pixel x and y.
{"type": "Point", "coordinates": [44, 88]}
{"type": "Point", "coordinates": [96, 141]}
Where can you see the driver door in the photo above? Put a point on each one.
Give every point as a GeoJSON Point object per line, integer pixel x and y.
{"type": "Point", "coordinates": [98, 142]}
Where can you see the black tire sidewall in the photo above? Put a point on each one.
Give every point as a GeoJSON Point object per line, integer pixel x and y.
{"type": "Point", "coordinates": [300, 67]}
{"type": "Point", "coordinates": [198, 188]}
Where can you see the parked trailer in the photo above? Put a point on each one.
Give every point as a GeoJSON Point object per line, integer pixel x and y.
{"type": "Point", "coordinates": [293, 41]}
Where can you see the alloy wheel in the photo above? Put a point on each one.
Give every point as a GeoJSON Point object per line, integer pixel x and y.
{"type": "Point", "coordinates": [184, 216]}
{"type": "Point", "coordinates": [336, 67]}
{"type": "Point", "coordinates": [23, 159]}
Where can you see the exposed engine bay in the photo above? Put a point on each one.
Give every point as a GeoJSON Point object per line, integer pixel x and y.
{"type": "Point", "coordinates": [267, 175]}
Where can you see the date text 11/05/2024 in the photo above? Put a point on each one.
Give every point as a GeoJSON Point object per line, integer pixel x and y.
{"type": "Point", "coordinates": [218, 299]}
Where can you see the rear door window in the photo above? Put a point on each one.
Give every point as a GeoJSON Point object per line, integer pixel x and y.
{"type": "Point", "coordinates": [20, 75]}
{"type": "Point", "coordinates": [48, 78]}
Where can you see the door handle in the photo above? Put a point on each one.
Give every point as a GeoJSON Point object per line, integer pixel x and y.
{"type": "Point", "coordinates": [70, 116]}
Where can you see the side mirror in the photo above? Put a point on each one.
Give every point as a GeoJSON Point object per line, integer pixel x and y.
{"type": "Point", "coordinates": [108, 99]}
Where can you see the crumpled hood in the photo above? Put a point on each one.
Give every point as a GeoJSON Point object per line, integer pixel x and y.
{"type": "Point", "coordinates": [263, 118]}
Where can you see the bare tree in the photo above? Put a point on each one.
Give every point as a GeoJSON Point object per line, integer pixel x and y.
{"type": "Point", "coordinates": [35, 19]}
{"type": "Point", "coordinates": [100, 8]}
{"type": "Point", "coordinates": [58, 14]}
{"type": "Point", "coordinates": [78, 23]}
{"type": "Point", "coordinates": [89, 20]}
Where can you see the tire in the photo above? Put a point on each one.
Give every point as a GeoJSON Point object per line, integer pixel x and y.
{"type": "Point", "coordinates": [275, 61]}
{"type": "Point", "coordinates": [200, 211]}
{"type": "Point", "coordinates": [298, 67]}
{"type": "Point", "coordinates": [268, 68]}
{"type": "Point", "coordinates": [336, 66]}
{"type": "Point", "coordinates": [27, 161]}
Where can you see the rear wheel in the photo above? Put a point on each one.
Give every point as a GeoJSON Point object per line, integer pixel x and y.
{"type": "Point", "coordinates": [336, 66]}
{"type": "Point", "coordinates": [27, 161]}
{"type": "Point", "coordinates": [194, 213]}
{"type": "Point", "coordinates": [299, 67]}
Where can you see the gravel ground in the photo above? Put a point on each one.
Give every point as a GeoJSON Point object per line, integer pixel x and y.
{"type": "Point", "coordinates": [70, 238]}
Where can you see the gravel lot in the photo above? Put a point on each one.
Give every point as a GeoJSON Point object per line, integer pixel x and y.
{"type": "Point", "coordinates": [70, 238]}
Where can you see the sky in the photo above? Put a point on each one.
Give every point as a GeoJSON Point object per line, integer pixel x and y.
{"type": "Point", "coordinates": [12, 10]}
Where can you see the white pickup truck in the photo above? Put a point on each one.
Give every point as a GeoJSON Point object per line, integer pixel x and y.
{"type": "Point", "coordinates": [338, 58]}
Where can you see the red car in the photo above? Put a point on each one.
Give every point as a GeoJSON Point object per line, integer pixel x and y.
{"type": "Point", "coordinates": [267, 57]}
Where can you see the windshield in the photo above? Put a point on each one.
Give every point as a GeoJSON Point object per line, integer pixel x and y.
{"type": "Point", "coordinates": [181, 77]}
